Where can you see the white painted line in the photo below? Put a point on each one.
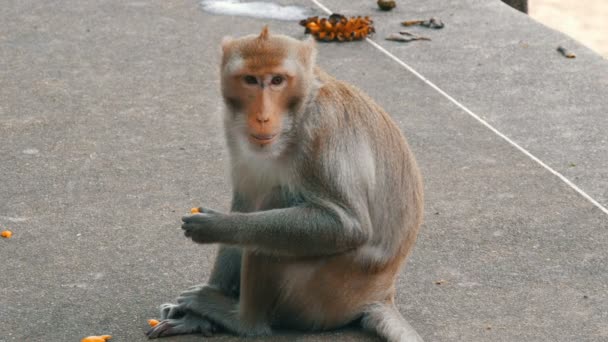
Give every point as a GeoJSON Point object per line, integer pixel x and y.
{"type": "Point", "coordinates": [479, 119]}
{"type": "Point", "coordinates": [322, 7]}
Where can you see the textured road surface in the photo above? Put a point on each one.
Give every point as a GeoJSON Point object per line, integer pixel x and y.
{"type": "Point", "coordinates": [110, 129]}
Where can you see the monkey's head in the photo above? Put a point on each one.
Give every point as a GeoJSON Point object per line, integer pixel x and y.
{"type": "Point", "coordinates": [265, 82]}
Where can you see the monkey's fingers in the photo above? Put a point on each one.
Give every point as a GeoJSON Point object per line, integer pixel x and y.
{"type": "Point", "coordinates": [164, 328]}
{"type": "Point", "coordinates": [190, 324]}
{"type": "Point", "coordinates": [201, 217]}
{"type": "Point", "coordinates": [187, 228]}
{"type": "Point", "coordinates": [193, 218]}
{"type": "Point", "coordinates": [194, 229]}
{"type": "Point", "coordinates": [196, 218]}
{"type": "Point", "coordinates": [170, 328]}
{"type": "Point", "coordinates": [201, 210]}
{"type": "Point", "coordinates": [171, 311]}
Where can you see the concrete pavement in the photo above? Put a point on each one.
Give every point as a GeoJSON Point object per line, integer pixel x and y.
{"type": "Point", "coordinates": [110, 129]}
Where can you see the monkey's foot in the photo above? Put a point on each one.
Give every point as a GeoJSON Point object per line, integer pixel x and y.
{"type": "Point", "coordinates": [189, 323]}
{"type": "Point", "coordinates": [172, 311]}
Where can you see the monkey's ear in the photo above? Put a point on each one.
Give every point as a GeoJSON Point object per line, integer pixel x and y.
{"type": "Point", "coordinates": [307, 52]}
{"type": "Point", "coordinates": [226, 43]}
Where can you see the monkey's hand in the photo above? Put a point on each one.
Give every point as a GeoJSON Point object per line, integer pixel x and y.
{"type": "Point", "coordinates": [203, 227]}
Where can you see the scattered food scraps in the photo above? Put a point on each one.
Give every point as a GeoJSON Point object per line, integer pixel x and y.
{"type": "Point", "coordinates": [405, 37]}
{"type": "Point", "coordinates": [440, 282]}
{"type": "Point", "coordinates": [153, 322]}
{"type": "Point", "coordinates": [434, 23]}
{"type": "Point", "coordinates": [409, 34]}
{"type": "Point", "coordinates": [338, 27]}
{"type": "Point", "coordinates": [101, 338]}
{"type": "Point", "coordinates": [6, 234]}
{"type": "Point", "coordinates": [195, 211]}
{"type": "Point", "coordinates": [565, 52]}
{"type": "Point", "coordinates": [386, 5]}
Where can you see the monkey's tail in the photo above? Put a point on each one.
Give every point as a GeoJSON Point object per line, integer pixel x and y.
{"type": "Point", "coordinates": [385, 320]}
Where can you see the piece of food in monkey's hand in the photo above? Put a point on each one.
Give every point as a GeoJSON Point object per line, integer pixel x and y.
{"type": "Point", "coordinates": [101, 338]}
{"type": "Point", "coordinates": [6, 234]}
{"type": "Point", "coordinates": [153, 322]}
{"type": "Point", "coordinates": [338, 27]}
{"type": "Point", "coordinates": [195, 211]}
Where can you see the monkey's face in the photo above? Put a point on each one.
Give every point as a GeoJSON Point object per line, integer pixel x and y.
{"type": "Point", "coordinates": [261, 102]}
{"type": "Point", "coordinates": [264, 83]}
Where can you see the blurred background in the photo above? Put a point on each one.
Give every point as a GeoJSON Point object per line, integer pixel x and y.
{"type": "Point", "coordinates": [583, 20]}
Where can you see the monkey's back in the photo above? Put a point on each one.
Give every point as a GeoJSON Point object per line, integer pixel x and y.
{"type": "Point", "coordinates": [380, 165]}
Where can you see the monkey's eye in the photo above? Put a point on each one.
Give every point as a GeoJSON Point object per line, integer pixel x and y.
{"type": "Point", "coordinates": [251, 80]}
{"type": "Point", "coordinates": [277, 80]}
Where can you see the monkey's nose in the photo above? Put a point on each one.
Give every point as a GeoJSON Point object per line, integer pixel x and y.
{"type": "Point", "coordinates": [262, 120]}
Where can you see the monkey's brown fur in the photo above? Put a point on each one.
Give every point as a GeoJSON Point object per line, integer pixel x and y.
{"type": "Point", "coordinates": [327, 203]}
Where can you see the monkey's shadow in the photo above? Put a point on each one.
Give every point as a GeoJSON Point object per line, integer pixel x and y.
{"type": "Point", "coordinates": [351, 332]}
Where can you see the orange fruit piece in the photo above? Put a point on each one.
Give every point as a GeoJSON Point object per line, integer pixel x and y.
{"type": "Point", "coordinates": [101, 338]}
{"type": "Point", "coordinates": [153, 322]}
{"type": "Point", "coordinates": [6, 234]}
{"type": "Point", "coordinates": [195, 211]}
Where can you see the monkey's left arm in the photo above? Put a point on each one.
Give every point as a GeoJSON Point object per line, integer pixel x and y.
{"type": "Point", "coordinates": [304, 230]}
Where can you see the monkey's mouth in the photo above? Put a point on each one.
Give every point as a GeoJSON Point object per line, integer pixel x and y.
{"type": "Point", "coordinates": [262, 139]}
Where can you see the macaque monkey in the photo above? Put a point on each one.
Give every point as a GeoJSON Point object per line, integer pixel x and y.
{"type": "Point", "coordinates": [326, 205]}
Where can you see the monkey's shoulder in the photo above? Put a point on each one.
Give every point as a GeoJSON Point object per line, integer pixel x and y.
{"type": "Point", "coordinates": [343, 105]}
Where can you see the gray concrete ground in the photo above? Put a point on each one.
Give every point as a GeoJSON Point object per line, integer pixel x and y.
{"type": "Point", "coordinates": [110, 129]}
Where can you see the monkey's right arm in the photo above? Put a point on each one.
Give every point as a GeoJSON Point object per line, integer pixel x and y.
{"type": "Point", "coordinates": [303, 230]}
{"type": "Point", "coordinates": [331, 215]}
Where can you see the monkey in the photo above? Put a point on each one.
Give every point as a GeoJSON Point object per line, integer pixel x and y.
{"type": "Point", "coordinates": [327, 203]}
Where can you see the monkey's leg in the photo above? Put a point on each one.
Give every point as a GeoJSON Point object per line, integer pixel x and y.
{"type": "Point", "coordinates": [226, 273]}
{"type": "Point", "coordinates": [386, 321]}
{"type": "Point", "coordinates": [225, 276]}
{"type": "Point", "coordinates": [177, 319]}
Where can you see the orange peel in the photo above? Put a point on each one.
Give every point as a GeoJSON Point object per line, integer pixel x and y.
{"type": "Point", "coordinates": [153, 322]}
{"type": "Point", "coordinates": [101, 338]}
{"type": "Point", "coordinates": [338, 27]}
{"type": "Point", "coordinates": [195, 211]}
{"type": "Point", "coordinates": [6, 234]}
